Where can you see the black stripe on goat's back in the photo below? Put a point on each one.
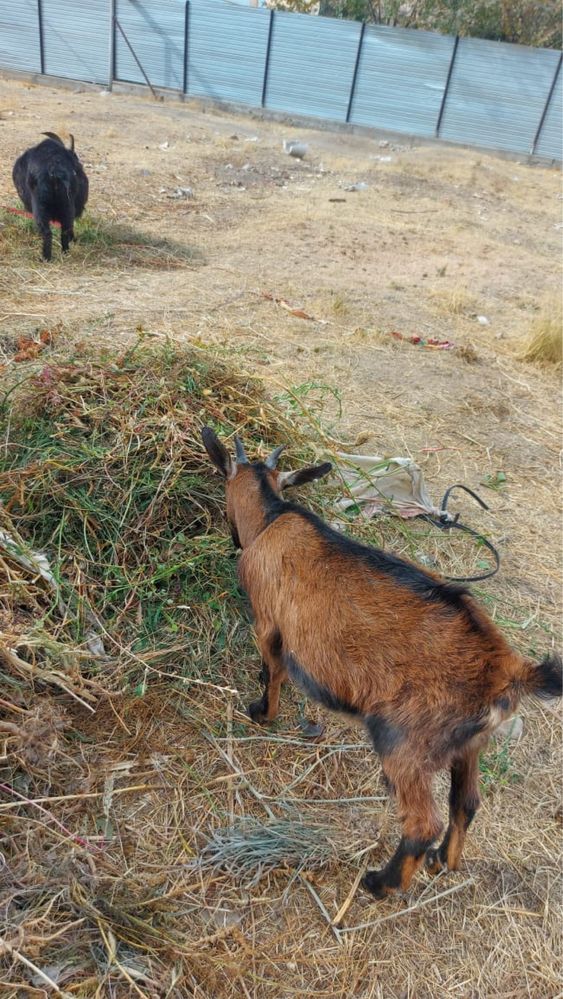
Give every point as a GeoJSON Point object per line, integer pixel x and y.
{"type": "Point", "coordinates": [273, 504]}
{"type": "Point", "coordinates": [403, 573]}
{"type": "Point", "coordinates": [316, 691]}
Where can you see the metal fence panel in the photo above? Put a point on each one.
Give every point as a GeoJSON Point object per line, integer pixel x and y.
{"type": "Point", "coordinates": [227, 51]}
{"type": "Point", "coordinates": [550, 141]}
{"type": "Point", "coordinates": [19, 36]}
{"type": "Point", "coordinates": [497, 94]}
{"type": "Point", "coordinates": [311, 65]}
{"type": "Point", "coordinates": [155, 29]}
{"type": "Point", "coordinates": [401, 79]}
{"type": "Point", "coordinates": [76, 39]}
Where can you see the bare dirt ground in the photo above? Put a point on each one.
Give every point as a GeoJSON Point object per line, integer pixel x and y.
{"type": "Point", "coordinates": [439, 238]}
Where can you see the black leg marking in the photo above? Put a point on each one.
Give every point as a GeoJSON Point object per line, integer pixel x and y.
{"type": "Point", "coordinates": [407, 858]}
{"type": "Point", "coordinates": [316, 691]}
{"type": "Point", "coordinates": [464, 802]}
{"type": "Point", "coordinates": [384, 735]}
{"type": "Point", "coordinates": [259, 709]}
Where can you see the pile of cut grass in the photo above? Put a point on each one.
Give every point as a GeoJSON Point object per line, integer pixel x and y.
{"type": "Point", "coordinates": [103, 471]}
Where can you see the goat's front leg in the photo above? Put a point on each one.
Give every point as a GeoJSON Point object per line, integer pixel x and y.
{"type": "Point", "coordinates": [273, 674]}
{"type": "Point", "coordinates": [67, 231]}
{"type": "Point", "coordinates": [66, 236]}
{"type": "Point", "coordinates": [44, 226]}
{"type": "Point", "coordinates": [421, 826]}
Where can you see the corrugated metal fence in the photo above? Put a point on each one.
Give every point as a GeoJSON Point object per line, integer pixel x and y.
{"type": "Point", "coordinates": [482, 93]}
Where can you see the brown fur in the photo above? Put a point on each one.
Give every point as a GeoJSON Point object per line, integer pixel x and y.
{"type": "Point", "coordinates": [431, 676]}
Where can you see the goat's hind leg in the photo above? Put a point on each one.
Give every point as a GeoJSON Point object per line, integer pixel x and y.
{"type": "Point", "coordinates": [67, 231]}
{"type": "Point", "coordinates": [421, 826]}
{"type": "Point", "coordinates": [273, 674]}
{"type": "Point", "coordinates": [464, 802]}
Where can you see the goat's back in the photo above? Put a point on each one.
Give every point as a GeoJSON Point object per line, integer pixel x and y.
{"type": "Point", "coordinates": [35, 169]}
{"type": "Point", "coordinates": [373, 628]}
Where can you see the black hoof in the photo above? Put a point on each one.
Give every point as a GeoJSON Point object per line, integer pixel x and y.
{"type": "Point", "coordinates": [257, 712]}
{"type": "Point", "coordinates": [433, 861]}
{"type": "Point", "coordinates": [374, 882]}
{"type": "Point", "coordinates": [310, 729]}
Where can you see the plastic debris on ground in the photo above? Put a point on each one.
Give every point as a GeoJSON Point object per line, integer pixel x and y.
{"type": "Point", "coordinates": [296, 149]}
{"type": "Point", "coordinates": [293, 310]}
{"type": "Point", "coordinates": [180, 192]}
{"type": "Point", "coordinates": [420, 341]}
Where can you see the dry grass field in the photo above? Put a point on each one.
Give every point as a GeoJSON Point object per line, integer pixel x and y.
{"type": "Point", "coordinates": [267, 300]}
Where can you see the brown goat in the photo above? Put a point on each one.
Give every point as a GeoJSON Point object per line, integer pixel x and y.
{"type": "Point", "coordinates": [364, 632]}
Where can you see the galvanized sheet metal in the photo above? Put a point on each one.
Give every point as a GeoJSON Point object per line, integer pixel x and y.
{"type": "Point", "coordinates": [550, 140]}
{"type": "Point", "coordinates": [155, 29]}
{"type": "Point", "coordinates": [401, 79]}
{"type": "Point", "coordinates": [497, 94]}
{"type": "Point", "coordinates": [227, 51]}
{"type": "Point", "coordinates": [76, 39]}
{"type": "Point", "coordinates": [19, 35]}
{"type": "Point", "coordinates": [311, 65]}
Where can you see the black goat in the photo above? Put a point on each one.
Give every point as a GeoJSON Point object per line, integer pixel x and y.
{"type": "Point", "coordinates": [51, 182]}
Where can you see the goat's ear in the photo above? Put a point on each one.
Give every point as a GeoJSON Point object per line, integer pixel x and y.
{"type": "Point", "coordinates": [217, 452]}
{"type": "Point", "coordinates": [303, 475]}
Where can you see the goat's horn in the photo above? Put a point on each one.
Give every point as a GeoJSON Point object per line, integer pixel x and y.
{"type": "Point", "coordinates": [240, 452]}
{"type": "Point", "coordinates": [54, 136]}
{"type": "Point", "coordinates": [71, 137]}
{"type": "Point", "coordinates": [273, 458]}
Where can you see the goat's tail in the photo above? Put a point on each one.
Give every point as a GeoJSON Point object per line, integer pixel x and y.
{"type": "Point", "coordinates": [543, 679]}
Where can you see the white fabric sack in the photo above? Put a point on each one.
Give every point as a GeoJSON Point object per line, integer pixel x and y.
{"type": "Point", "coordinates": [384, 485]}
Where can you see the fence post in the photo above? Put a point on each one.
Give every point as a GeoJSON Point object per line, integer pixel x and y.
{"type": "Point", "coordinates": [546, 106]}
{"type": "Point", "coordinates": [186, 50]}
{"type": "Point", "coordinates": [111, 54]}
{"type": "Point", "coordinates": [41, 37]}
{"type": "Point", "coordinates": [447, 87]}
{"type": "Point", "coordinates": [355, 74]}
{"type": "Point", "coordinates": [267, 62]}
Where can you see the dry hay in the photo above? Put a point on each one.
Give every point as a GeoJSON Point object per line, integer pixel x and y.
{"type": "Point", "coordinates": [544, 345]}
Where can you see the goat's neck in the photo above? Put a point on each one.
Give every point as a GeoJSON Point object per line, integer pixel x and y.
{"type": "Point", "coordinates": [251, 525]}
{"type": "Point", "coordinates": [253, 508]}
